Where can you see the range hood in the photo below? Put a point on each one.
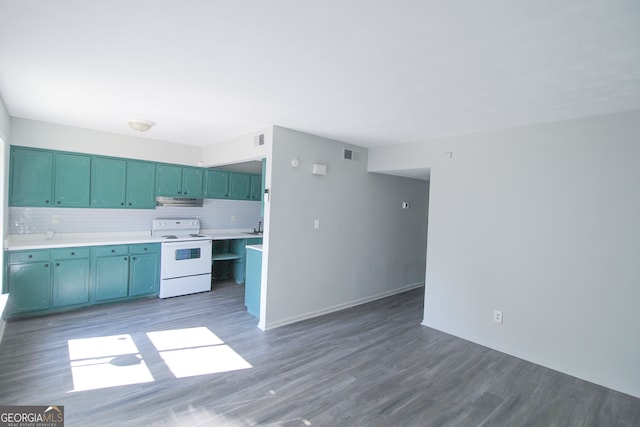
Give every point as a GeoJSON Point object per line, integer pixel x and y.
{"type": "Point", "coordinates": [179, 201]}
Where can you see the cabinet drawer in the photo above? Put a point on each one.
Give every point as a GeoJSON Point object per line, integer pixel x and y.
{"type": "Point", "coordinates": [28, 256]}
{"type": "Point", "coordinates": [150, 248]}
{"type": "Point", "coordinates": [111, 250]}
{"type": "Point", "coordinates": [70, 253]}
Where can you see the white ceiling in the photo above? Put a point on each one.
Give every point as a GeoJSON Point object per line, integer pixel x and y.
{"type": "Point", "coordinates": [367, 72]}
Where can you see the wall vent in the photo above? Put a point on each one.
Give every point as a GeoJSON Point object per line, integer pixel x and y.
{"type": "Point", "coordinates": [349, 154]}
{"type": "Point", "coordinates": [259, 140]}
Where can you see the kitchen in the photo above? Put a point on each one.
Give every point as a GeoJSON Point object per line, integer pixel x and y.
{"type": "Point", "coordinates": [294, 204]}
{"type": "Point", "coordinates": [90, 261]}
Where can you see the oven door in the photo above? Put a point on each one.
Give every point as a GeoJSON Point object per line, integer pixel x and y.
{"type": "Point", "coordinates": [182, 259]}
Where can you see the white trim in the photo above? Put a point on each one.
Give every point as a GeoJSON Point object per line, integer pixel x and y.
{"type": "Point", "coordinates": [3, 303]}
{"type": "Point", "coordinates": [339, 307]}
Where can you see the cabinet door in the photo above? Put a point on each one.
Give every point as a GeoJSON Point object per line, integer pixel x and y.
{"type": "Point", "coordinates": [141, 181]}
{"type": "Point", "coordinates": [29, 287]}
{"type": "Point", "coordinates": [256, 187]}
{"type": "Point", "coordinates": [216, 184]}
{"type": "Point", "coordinates": [239, 186]}
{"type": "Point", "coordinates": [168, 180]}
{"type": "Point", "coordinates": [192, 182]}
{"type": "Point", "coordinates": [111, 279]}
{"type": "Point", "coordinates": [31, 178]}
{"type": "Point", "coordinates": [144, 274]}
{"type": "Point", "coordinates": [72, 179]}
{"type": "Point", "coordinates": [70, 282]}
{"type": "Point", "coordinates": [108, 182]}
{"type": "Point", "coordinates": [253, 283]}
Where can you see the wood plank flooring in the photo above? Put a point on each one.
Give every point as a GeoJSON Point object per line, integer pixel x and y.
{"type": "Point", "coordinates": [372, 365]}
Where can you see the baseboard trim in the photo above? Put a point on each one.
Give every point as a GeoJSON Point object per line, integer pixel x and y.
{"type": "Point", "coordinates": [338, 307]}
{"type": "Point", "coordinates": [630, 389]}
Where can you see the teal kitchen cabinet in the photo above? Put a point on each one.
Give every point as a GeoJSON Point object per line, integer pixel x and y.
{"type": "Point", "coordinates": [168, 180]}
{"type": "Point", "coordinates": [253, 281]}
{"type": "Point", "coordinates": [108, 182]}
{"type": "Point", "coordinates": [72, 180]}
{"type": "Point", "coordinates": [141, 181]}
{"type": "Point", "coordinates": [111, 272]}
{"type": "Point", "coordinates": [31, 177]}
{"type": "Point", "coordinates": [29, 278]}
{"type": "Point", "coordinates": [216, 184]}
{"type": "Point", "coordinates": [239, 186]}
{"type": "Point", "coordinates": [177, 181]}
{"type": "Point", "coordinates": [192, 179]}
{"type": "Point", "coordinates": [238, 247]}
{"type": "Point", "coordinates": [121, 183]}
{"type": "Point", "coordinates": [256, 187]}
{"type": "Point", "coordinates": [70, 277]}
{"type": "Point", "coordinates": [144, 269]}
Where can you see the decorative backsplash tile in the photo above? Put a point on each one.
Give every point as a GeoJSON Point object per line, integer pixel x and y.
{"type": "Point", "coordinates": [214, 214]}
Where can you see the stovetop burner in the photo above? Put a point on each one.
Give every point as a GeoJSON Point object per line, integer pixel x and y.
{"type": "Point", "coordinates": [170, 236]}
{"type": "Point", "coordinates": [196, 235]}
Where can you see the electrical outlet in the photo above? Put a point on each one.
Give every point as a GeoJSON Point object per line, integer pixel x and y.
{"type": "Point", "coordinates": [497, 316]}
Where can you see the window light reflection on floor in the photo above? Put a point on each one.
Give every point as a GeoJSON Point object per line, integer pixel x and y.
{"type": "Point", "coordinates": [111, 361]}
{"type": "Point", "coordinates": [101, 362]}
{"type": "Point", "coordinates": [195, 351]}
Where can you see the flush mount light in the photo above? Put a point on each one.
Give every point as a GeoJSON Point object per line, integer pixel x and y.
{"type": "Point", "coordinates": [140, 125]}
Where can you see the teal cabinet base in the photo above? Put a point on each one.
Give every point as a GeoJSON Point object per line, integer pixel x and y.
{"type": "Point", "coordinates": [253, 282]}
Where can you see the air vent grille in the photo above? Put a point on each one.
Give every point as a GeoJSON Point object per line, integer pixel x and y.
{"type": "Point", "coordinates": [349, 154]}
{"type": "Point", "coordinates": [259, 140]}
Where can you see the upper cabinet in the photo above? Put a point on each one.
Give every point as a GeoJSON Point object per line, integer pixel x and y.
{"type": "Point", "coordinates": [178, 181]}
{"type": "Point", "coordinates": [108, 182]}
{"type": "Point", "coordinates": [216, 184]}
{"type": "Point", "coordinates": [239, 186]}
{"type": "Point", "coordinates": [220, 184]}
{"type": "Point", "coordinates": [141, 181]}
{"type": "Point", "coordinates": [31, 177]}
{"type": "Point", "coordinates": [45, 178]}
{"type": "Point", "coordinates": [256, 187]}
{"type": "Point", "coordinates": [120, 183]}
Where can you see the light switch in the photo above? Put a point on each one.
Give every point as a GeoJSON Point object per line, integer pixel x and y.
{"type": "Point", "coordinates": [316, 224]}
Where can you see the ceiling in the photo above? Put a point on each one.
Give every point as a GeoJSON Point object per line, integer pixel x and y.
{"type": "Point", "coordinates": [368, 73]}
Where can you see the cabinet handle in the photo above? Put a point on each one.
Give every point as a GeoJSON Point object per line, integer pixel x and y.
{"type": "Point", "coordinates": [134, 258]}
{"type": "Point", "coordinates": [46, 201]}
{"type": "Point", "coordinates": [46, 265]}
{"type": "Point", "coordinates": [113, 251]}
{"type": "Point", "coordinates": [73, 253]}
{"type": "Point", "coordinates": [30, 256]}
{"type": "Point", "coordinates": [145, 249]}
{"type": "Point", "coordinates": [179, 192]}
{"type": "Point", "coordinates": [130, 203]}
{"type": "Point", "coordinates": [57, 264]}
{"type": "Point", "coordinates": [121, 203]}
{"type": "Point", "coordinates": [125, 258]}
{"type": "Point", "coordinates": [58, 201]}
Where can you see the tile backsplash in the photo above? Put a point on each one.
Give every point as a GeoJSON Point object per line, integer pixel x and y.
{"type": "Point", "coordinates": [215, 214]}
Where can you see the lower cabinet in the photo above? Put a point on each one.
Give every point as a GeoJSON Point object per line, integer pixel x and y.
{"type": "Point", "coordinates": [111, 272]}
{"type": "Point", "coordinates": [144, 272]}
{"type": "Point", "coordinates": [48, 280]}
{"type": "Point", "coordinates": [253, 282]}
{"type": "Point", "coordinates": [29, 286]}
{"type": "Point", "coordinates": [70, 277]}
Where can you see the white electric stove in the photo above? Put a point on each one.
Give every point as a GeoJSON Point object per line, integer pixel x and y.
{"type": "Point", "coordinates": [185, 257]}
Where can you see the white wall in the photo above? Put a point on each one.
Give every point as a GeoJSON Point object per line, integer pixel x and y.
{"type": "Point", "coordinates": [542, 223]}
{"type": "Point", "coordinates": [236, 150]}
{"type": "Point", "coordinates": [5, 126]}
{"type": "Point", "coordinates": [32, 133]}
{"type": "Point", "coordinates": [366, 247]}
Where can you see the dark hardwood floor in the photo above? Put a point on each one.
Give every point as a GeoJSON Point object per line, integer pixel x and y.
{"type": "Point", "coordinates": [372, 365]}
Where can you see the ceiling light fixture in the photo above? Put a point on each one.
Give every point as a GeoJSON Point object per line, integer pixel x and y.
{"type": "Point", "coordinates": [140, 125]}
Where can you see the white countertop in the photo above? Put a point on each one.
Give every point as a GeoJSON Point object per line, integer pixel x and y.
{"type": "Point", "coordinates": [255, 247]}
{"type": "Point", "coordinates": [16, 242]}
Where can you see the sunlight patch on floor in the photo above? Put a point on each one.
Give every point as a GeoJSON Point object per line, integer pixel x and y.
{"type": "Point", "coordinates": [102, 362]}
{"type": "Point", "coordinates": [196, 351]}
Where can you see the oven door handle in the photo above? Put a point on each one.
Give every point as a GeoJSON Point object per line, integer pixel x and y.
{"type": "Point", "coordinates": [187, 243]}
